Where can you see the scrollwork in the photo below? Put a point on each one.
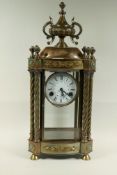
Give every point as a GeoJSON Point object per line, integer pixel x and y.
{"type": "Point", "coordinates": [76, 36]}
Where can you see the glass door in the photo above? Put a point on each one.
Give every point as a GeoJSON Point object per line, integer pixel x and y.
{"type": "Point", "coordinates": [60, 123]}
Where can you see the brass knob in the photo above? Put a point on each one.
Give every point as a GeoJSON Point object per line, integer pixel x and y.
{"type": "Point", "coordinates": [73, 148]}
{"type": "Point", "coordinates": [47, 147]}
{"type": "Point", "coordinates": [53, 149]}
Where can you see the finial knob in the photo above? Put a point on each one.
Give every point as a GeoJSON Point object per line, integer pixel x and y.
{"type": "Point", "coordinates": [62, 6]}
{"type": "Point", "coordinates": [32, 50]}
{"type": "Point", "coordinates": [93, 50]}
{"type": "Point", "coordinates": [84, 49]}
{"type": "Point", "coordinates": [88, 52]}
{"type": "Point", "coordinates": [37, 49]}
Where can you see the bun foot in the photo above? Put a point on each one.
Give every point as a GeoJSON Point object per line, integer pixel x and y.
{"type": "Point", "coordinates": [86, 157]}
{"type": "Point", "coordinates": [34, 157]}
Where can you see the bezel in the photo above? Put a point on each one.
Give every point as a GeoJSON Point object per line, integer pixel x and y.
{"type": "Point", "coordinates": [60, 105]}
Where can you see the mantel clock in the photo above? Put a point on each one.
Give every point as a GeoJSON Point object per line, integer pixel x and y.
{"type": "Point", "coordinates": [61, 77]}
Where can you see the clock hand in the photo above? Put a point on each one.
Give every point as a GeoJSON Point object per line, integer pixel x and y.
{"type": "Point", "coordinates": [61, 89]}
{"type": "Point", "coordinates": [62, 94]}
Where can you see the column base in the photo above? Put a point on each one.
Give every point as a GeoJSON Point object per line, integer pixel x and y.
{"type": "Point", "coordinates": [86, 157]}
{"type": "Point", "coordinates": [34, 147]}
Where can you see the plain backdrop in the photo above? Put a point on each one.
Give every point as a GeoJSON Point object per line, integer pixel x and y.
{"type": "Point", "coordinates": [21, 23]}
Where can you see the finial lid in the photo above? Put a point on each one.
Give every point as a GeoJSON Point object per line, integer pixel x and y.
{"type": "Point", "coordinates": [62, 29]}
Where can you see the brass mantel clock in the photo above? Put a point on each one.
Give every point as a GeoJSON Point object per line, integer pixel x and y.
{"type": "Point", "coordinates": [61, 77]}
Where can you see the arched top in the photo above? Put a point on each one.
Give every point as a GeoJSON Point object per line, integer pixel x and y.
{"type": "Point", "coordinates": [61, 53]}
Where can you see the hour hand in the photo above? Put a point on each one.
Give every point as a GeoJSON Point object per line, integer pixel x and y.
{"type": "Point", "coordinates": [62, 92]}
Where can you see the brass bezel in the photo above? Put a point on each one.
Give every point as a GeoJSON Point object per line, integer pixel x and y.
{"type": "Point", "coordinates": [61, 105]}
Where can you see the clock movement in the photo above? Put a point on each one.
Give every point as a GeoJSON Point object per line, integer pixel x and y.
{"type": "Point", "coordinates": [61, 78]}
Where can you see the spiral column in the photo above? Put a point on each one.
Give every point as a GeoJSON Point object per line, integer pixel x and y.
{"type": "Point", "coordinates": [90, 107]}
{"type": "Point", "coordinates": [87, 106]}
{"type": "Point", "coordinates": [31, 106]}
{"type": "Point", "coordinates": [36, 107]}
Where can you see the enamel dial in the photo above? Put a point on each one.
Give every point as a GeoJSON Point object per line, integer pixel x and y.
{"type": "Point", "coordinates": [61, 89]}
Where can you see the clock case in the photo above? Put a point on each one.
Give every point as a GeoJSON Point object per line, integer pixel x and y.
{"type": "Point", "coordinates": [61, 58]}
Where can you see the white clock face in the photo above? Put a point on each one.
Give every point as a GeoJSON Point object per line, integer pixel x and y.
{"type": "Point", "coordinates": [61, 89]}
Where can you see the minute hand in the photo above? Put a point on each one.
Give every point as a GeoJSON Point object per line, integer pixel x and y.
{"type": "Point", "coordinates": [66, 93]}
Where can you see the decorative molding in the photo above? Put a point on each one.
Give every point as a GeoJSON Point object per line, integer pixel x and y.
{"type": "Point", "coordinates": [38, 64]}
{"type": "Point", "coordinates": [59, 148]}
{"type": "Point", "coordinates": [62, 64]}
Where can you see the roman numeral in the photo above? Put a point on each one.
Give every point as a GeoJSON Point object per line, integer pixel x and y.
{"type": "Point", "coordinates": [72, 89]}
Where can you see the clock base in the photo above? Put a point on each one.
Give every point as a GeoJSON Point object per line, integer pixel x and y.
{"type": "Point", "coordinates": [86, 157]}
{"type": "Point", "coordinates": [34, 157]}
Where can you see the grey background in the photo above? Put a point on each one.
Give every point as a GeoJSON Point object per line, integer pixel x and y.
{"type": "Point", "coordinates": [21, 24]}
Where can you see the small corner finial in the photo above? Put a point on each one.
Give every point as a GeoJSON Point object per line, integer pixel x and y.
{"type": "Point", "coordinates": [37, 49]}
{"type": "Point", "coordinates": [88, 52]}
{"type": "Point", "coordinates": [32, 50]}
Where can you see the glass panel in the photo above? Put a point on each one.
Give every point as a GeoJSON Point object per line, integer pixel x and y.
{"type": "Point", "coordinates": [61, 133]}
{"type": "Point", "coordinates": [59, 117]}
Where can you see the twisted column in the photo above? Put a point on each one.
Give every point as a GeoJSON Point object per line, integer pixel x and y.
{"type": "Point", "coordinates": [87, 93]}
{"type": "Point", "coordinates": [85, 106]}
{"type": "Point", "coordinates": [31, 106]}
{"type": "Point", "coordinates": [36, 107]}
{"type": "Point", "coordinates": [90, 106]}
